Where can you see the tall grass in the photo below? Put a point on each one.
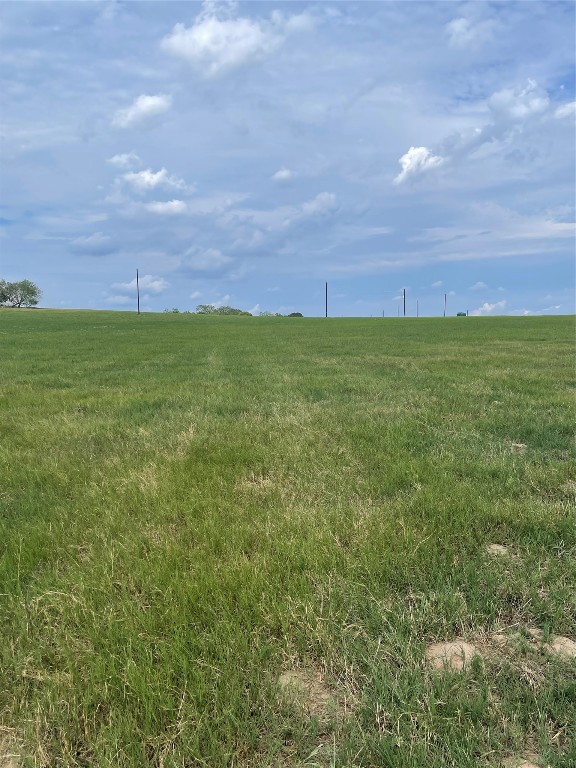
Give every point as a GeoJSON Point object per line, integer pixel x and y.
{"type": "Point", "coordinates": [191, 505]}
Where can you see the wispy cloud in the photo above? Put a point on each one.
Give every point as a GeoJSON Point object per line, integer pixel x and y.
{"type": "Point", "coordinates": [142, 110]}
{"type": "Point", "coordinates": [151, 283]}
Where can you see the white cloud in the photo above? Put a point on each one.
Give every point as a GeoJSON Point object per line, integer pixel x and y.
{"type": "Point", "coordinates": [126, 160]}
{"type": "Point", "coordinates": [486, 308]}
{"type": "Point", "coordinates": [206, 260]}
{"type": "Point", "coordinates": [437, 284]}
{"type": "Point", "coordinates": [566, 110]}
{"type": "Point", "coordinates": [168, 208]}
{"type": "Point", "coordinates": [142, 181]}
{"type": "Point", "coordinates": [415, 162]}
{"type": "Point", "coordinates": [516, 104]}
{"type": "Point", "coordinates": [142, 109]}
{"type": "Point", "coordinates": [195, 294]}
{"type": "Point", "coordinates": [120, 301]}
{"type": "Point", "coordinates": [325, 202]}
{"type": "Point", "coordinates": [463, 33]}
{"type": "Point", "coordinates": [222, 302]}
{"type": "Point", "coordinates": [283, 175]}
{"type": "Point", "coordinates": [218, 43]}
{"type": "Point", "coordinates": [150, 283]}
{"type": "Point", "coordinates": [479, 286]}
{"type": "Point", "coordinates": [255, 309]}
{"type": "Point", "coordinates": [97, 244]}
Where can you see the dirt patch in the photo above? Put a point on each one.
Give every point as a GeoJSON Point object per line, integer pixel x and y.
{"type": "Point", "coordinates": [498, 550]}
{"type": "Point", "coordinates": [306, 690]}
{"type": "Point", "coordinates": [563, 647]}
{"type": "Point", "coordinates": [9, 754]}
{"type": "Point", "coordinates": [455, 655]}
{"type": "Point", "coordinates": [526, 761]}
{"type": "Point", "coordinates": [518, 447]}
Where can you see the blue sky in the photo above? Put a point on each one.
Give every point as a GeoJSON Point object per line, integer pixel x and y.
{"type": "Point", "coordinates": [245, 153]}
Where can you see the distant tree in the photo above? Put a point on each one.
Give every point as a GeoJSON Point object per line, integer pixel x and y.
{"type": "Point", "coordinates": [24, 293]}
{"type": "Point", "coordinates": [461, 314]}
{"type": "Point", "coordinates": [210, 309]}
{"type": "Point", "coordinates": [173, 311]}
{"type": "Point", "coordinates": [265, 313]}
{"type": "Point", "coordinates": [295, 314]}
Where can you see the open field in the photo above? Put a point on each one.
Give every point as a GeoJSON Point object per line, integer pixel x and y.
{"type": "Point", "coordinates": [230, 541]}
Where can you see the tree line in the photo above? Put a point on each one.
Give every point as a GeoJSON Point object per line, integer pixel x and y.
{"type": "Point", "coordinates": [23, 293]}
{"type": "Point", "coordinates": [210, 309]}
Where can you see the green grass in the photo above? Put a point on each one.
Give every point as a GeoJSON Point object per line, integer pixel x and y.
{"type": "Point", "coordinates": [190, 506]}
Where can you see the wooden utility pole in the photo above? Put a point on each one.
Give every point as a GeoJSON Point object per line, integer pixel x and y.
{"type": "Point", "coordinates": [404, 289]}
{"type": "Point", "coordinates": [445, 305]}
{"type": "Point", "coordinates": [326, 303]}
{"type": "Point", "coordinates": [138, 291]}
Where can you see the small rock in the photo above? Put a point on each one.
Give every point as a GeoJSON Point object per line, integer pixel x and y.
{"type": "Point", "coordinates": [519, 447]}
{"type": "Point", "coordinates": [455, 655]}
{"type": "Point", "coordinates": [563, 647]}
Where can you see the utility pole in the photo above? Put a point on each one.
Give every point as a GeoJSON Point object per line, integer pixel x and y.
{"type": "Point", "coordinates": [404, 289]}
{"type": "Point", "coordinates": [138, 291]}
{"type": "Point", "coordinates": [326, 315]}
{"type": "Point", "coordinates": [445, 305]}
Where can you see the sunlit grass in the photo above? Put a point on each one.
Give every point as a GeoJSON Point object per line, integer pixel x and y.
{"type": "Point", "coordinates": [192, 505]}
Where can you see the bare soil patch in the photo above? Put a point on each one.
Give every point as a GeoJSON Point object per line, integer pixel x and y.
{"type": "Point", "coordinates": [498, 550]}
{"type": "Point", "coordinates": [562, 646]}
{"type": "Point", "coordinates": [528, 760]}
{"type": "Point", "coordinates": [307, 691]}
{"type": "Point", "coordinates": [455, 655]}
{"type": "Point", "coordinates": [9, 754]}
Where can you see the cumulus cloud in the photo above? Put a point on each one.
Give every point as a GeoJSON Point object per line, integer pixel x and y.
{"type": "Point", "coordinates": [417, 161]}
{"type": "Point", "coordinates": [566, 110]}
{"type": "Point", "coordinates": [486, 308]}
{"type": "Point", "coordinates": [97, 244]}
{"type": "Point", "coordinates": [479, 286]}
{"type": "Point", "coordinates": [167, 208]}
{"type": "Point", "coordinates": [142, 110]}
{"type": "Point", "coordinates": [437, 284]}
{"type": "Point", "coordinates": [143, 181]}
{"type": "Point", "coordinates": [283, 175]}
{"type": "Point", "coordinates": [509, 111]}
{"type": "Point", "coordinates": [218, 42]}
{"type": "Point", "coordinates": [126, 160]}
{"type": "Point", "coordinates": [150, 283]}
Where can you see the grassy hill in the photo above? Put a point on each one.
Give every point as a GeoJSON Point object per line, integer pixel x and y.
{"type": "Point", "coordinates": [231, 541]}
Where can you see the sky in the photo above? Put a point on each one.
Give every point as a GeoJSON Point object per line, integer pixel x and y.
{"type": "Point", "coordinates": [246, 153]}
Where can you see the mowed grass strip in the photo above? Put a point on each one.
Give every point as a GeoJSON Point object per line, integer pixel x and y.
{"type": "Point", "coordinates": [196, 510]}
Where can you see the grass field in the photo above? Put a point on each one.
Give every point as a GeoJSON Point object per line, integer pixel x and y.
{"type": "Point", "coordinates": [230, 541]}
